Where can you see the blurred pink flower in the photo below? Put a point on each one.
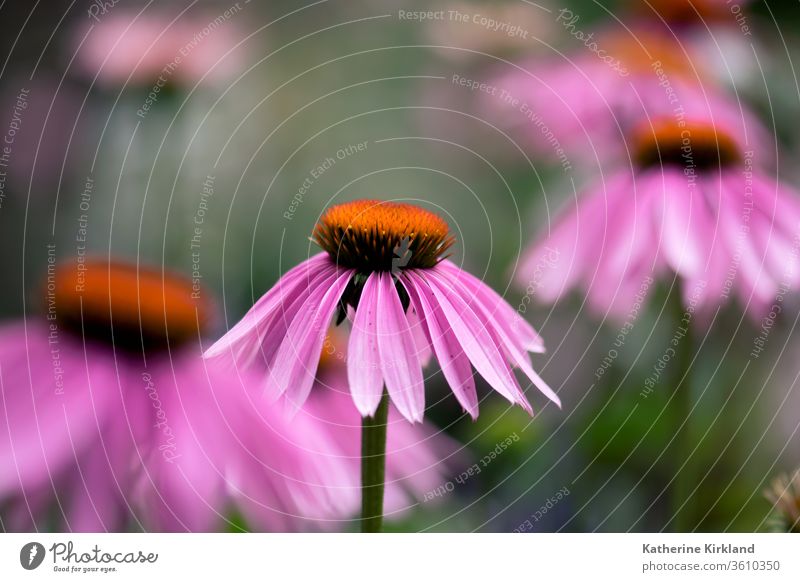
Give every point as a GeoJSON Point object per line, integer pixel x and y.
{"type": "Point", "coordinates": [95, 435]}
{"type": "Point", "coordinates": [149, 48]}
{"type": "Point", "coordinates": [383, 267]}
{"type": "Point", "coordinates": [586, 103]}
{"type": "Point", "coordinates": [694, 202]}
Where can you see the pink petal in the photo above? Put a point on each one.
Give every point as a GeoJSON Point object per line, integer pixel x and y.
{"type": "Point", "coordinates": [45, 422]}
{"type": "Point", "coordinates": [398, 353]}
{"type": "Point", "coordinates": [274, 330]}
{"type": "Point", "coordinates": [296, 362]}
{"type": "Point", "coordinates": [503, 334]}
{"type": "Point", "coordinates": [477, 342]}
{"type": "Point", "coordinates": [287, 287]}
{"type": "Point", "coordinates": [529, 337]}
{"type": "Point", "coordinates": [755, 278]}
{"type": "Point", "coordinates": [683, 222]}
{"type": "Point", "coordinates": [421, 339]}
{"type": "Point", "coordinates": [451, 357]}
{"type": "Point", "coordinates": [363, 361]}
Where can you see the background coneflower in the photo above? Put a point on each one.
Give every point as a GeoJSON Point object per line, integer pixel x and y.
{"type": "Point", "coordinates": [110, 420]}
{"type": "Point", "coordinates": [695, 203]}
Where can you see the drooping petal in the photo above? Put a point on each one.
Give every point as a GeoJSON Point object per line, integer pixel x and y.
{"type": "Point", "coordinates": [503, 335]}
{"type": "Point", "coordinates": [757, 282]}
{"type": "Point", "coordinates": [398, 353]}
{"type": "Point", "coordinates": [246, 331]}
{"type": "Point", "coordinates": [273, 332]}
{"type": "Point", "coordinates": [450, 355]}
{"type": "Point", "coordinates": [54, 400]}
{"type": "Point", "coordinates": [530, 338]}
{"type": "Point", "coordinates": [682, 219]}
{"type": "Point", "coordinates": [552, 266]}
{"type": "Point", "coordinates": [363, 360]}
{"type": "Point", "coordinates": [421, 338]}
{"type": "Point", "coordinates": [777, 223]}
{"type": "Point", "coordinates": [295, 365]}
{"type": "Point", "coordinates": [477, 343]}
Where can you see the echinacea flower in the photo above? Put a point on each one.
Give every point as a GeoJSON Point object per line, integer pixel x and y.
{"type": "Point", "coordinates": [155, 48]}
{"type": "Point", "coordinates": [109, 419]}
{"type": "Point", "coordinates": [696, 203]}
{"type": "Point", "coordinates": [586, 103]}
{"type": "Point", "coordinates": [716, 34]}
{"type": "Point", "coordinates": [784, 494]}
{"type": "Point", "coordinates": [383, 266]}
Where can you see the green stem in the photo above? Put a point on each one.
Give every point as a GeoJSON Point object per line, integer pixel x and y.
{"type": "Point", "coordinates": [683, 514]}
{"type": "Point", "coordinates": [373, 466]}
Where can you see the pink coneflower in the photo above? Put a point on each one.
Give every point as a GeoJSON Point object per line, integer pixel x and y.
{"type": "Point", "coordinates": [383, 268]}
{"type": "Point", "coordinates": [694, 203]}
{"type": "Point", "coordinates": [586, 103]}
{"type": "Point", "coordinates": [154, 48]}
{"type": "Point", "coordinates": [109, 418]}
{"type": "Point", "coordinates": [716, 34]}
{"type": "Point", "coordinates": [383, 265]}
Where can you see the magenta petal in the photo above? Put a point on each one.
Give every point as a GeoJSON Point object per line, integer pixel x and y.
{"type": "Point", "coordinates": [683, 224]}
{"type": "Point", "coordinates": [451, 357]}
{"type": "Point", "coordinates": [363, 361]}
{"type": "Point", "coordinates": [246, 331]}
{"type": "Point", "coordinates": [421, 338]}
{"type": "Point", "coordinates": [629, 239]}
{"type": "Point", "coordinates": [96, 502]}
{"type": "Point", "coordinates": [530, 339]}
{"type": "Point", "coordinates": [286, 358]}
{"type": "Point", "coordinates": [297, 359]}
{"type": "Point", "coordinates": [44, 425]}
{"type": "Point", "coordinates": [477, 342]}
{"type": "Point", "coordinates": [273, 332]}
{"type": "Point", "coordinates": [751, 268]}
{"type": "Point", "coordinates": [504, 334]}
{"type": "Point", "coordinates": [401, 367]}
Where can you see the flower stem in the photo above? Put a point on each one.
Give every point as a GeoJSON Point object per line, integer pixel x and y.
{"type": "Point", "coordinates": [373, 466]}
{"type": "Point", "coordinates": [682, 513]}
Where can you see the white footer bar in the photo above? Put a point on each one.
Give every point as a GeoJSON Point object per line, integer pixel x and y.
{"type": "Point", "coordinates": [399, 557]}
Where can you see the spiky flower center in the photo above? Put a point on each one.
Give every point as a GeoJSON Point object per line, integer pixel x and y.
{"type": "Point", "coordinates": [372, 235]}
{"type": "Point", "coordinates": [689, 144]}
{"type": "Point", "coordinates": [136, 307]}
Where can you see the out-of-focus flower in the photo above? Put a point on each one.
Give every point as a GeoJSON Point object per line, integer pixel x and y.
{"type": "Point", "coordinates": [588, 103]}
{"type": "Point", "coordinates": [154, 48]}
{"type": "Point", "coordinates": [497, 29]}
{"type": "Point", "coordinates": [109, 417]}
{"type": "Point", "coordinates": [694, 202]}
{"type": "Point", "coordinates": [784, 494]}
{"type": "Point", "coordinates": [383, 266]}
{"type": "Point", "coordinates": [717, 34]}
